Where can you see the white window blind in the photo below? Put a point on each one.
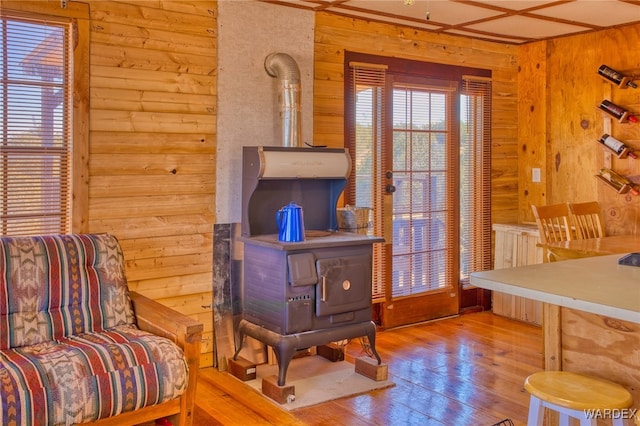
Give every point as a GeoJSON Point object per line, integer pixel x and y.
{"type": "Point", "coordinates": [475, 185]}
{"type": "Point", "coordinates": [35, 111]}
{"type": "Point", "coordinates": [368, 151]}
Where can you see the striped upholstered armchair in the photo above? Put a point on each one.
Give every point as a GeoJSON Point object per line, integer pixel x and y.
{"type": "Point", "coordinates": [77, 347]}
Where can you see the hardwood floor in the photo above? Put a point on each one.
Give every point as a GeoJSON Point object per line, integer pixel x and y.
{"type": "Point", "coordinates": [464, 371]}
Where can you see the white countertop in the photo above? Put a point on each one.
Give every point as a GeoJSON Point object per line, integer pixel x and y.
{"type": "Point", "coordinates": [593, 284]}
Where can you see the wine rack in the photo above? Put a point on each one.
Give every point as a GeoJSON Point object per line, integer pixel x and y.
{"type": "Point", "coordinates": [615, 147]}
{"type": "Point", "coordinates": [618, 183]}
{"type": "Point", "coordinates": [615, 77]}
{"type": "Point", "coordinates": [616, 111]}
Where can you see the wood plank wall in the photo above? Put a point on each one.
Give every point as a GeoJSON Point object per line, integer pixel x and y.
{"type": "Point", "coordinates": [335, 34]}
{"type": "Point", "coordinates": [532, 128]}
{"type": "Point", "coordinates": [559, 123]}
{"type": "Point", "coordinates": [152, 144]}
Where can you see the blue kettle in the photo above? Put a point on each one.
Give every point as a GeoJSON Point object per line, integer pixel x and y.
{"type": "Point", "coordinates": [290, 223]}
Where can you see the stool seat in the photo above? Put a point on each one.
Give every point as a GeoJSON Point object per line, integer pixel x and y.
{"type": "Point", "coordinates": [577, 391]}
{"type": "Point", "coordinates": [574, 395]}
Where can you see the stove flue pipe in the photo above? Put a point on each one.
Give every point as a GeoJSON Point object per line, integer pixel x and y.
{"type": "Point", "coordinates": [285, 68]}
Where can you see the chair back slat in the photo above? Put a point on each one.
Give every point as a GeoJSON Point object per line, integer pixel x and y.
{"type": "Point", "coordinates": [554, 225]}
{"type": "Point", "coordinates": [554, 222]}
{"type": "Point", "coordinates": [587, 218]}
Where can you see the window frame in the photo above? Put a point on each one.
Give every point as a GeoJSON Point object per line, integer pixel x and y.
{"type": "Point", "coordinates": [77, 16]}
{"type": "Point", "coordinates": [469, 296]}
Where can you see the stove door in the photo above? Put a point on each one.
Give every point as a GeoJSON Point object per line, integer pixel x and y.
{"type": "Point", "coordinates": [344, 284]}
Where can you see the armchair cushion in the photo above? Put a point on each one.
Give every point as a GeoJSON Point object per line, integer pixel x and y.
{"type": "Point", "coordinates": [58, 285]}
{"type": "Point", "coordinates": [88, 377]}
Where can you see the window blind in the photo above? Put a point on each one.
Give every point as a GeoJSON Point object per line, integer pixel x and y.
{"type": "Point", "coordinates": [475, 187]}
{"type": "Point", "coordinates": [35, 152]}
{"type": "Point", "coordinates": [368, 151]}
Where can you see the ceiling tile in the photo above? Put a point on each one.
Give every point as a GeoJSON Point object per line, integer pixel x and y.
{"type": "Point", "coordinates": [515, 4]}
{"type": "Point", "coordinates": [523, 26]}
{"type": "Point", "coordinates": [601, 12]}
{"type": "Point", "coordinates": [440, 11]}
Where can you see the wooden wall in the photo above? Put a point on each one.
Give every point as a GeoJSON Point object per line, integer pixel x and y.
{"type": "Point", "coordinates": [559, 123]}
{"type": "Point", "coordinates": [532, 128]}
{"type": "Point", "coordinates": [152, 143]}
{"type": "Point", "coordinates": [335, 34]}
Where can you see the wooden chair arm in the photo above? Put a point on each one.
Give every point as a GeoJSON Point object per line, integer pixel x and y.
{"type": "Point", "coordinates": [161, 320]}
{"type": "Point", "coordinates": [186, 332]}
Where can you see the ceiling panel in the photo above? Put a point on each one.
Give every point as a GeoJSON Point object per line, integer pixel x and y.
{"type": "Point", "coordinates": [510, 21]}
{"type": "Point", "coordinates": [446, 12]}
{"type": "Point", "coordinates": [603, 13]}
{"type": "Point", "coordinates": [515, 4]}
{"type": "Point", "coordinates": [523, 26]}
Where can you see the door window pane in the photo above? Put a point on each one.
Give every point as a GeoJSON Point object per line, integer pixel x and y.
{"type": "Point", "coordinates": [422, 199]}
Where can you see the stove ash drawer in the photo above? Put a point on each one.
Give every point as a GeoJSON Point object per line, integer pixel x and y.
{"type": "Point", "coordinates": [344, 284]}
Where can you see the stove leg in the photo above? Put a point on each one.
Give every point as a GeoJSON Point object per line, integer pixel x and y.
{"type": "Point", "coordinates": [284, 352]}
{"type": "Point", "coordinates": [241, 336]}
{"type": "Point", "coordinates": [235, 354]}
{"type": "Point", "coordinates": [371, 335]}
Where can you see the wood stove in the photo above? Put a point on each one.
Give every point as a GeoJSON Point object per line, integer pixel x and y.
{"type": "Point", "coordinates": [309, 293]}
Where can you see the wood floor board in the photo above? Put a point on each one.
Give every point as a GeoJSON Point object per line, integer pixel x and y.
{"type": "Point", "coordinates": [248, 405]}
{"type": "Point", "coordinates": [462, 393]}
{"type": "Point", "coordinates": [467, 370]}
{"type": "Point", "coordinates": [461, 343]}
{"type": "Point", "coordinates": [411, 403]}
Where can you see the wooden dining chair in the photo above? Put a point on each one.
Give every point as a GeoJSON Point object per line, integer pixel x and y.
{"type": "Point", "coordinates": [587, 218]}
{"type": "Point", "coordinates": [554, 225]}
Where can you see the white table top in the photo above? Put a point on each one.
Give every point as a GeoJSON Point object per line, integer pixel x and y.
{"type": "Point", "coordinates": [593, 284]}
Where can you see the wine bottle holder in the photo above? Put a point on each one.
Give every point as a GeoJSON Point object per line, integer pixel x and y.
{"type": "Point", "coordinates": [623, 83]}
{"type": "Point", "coordinates": [623, 189]}
{"type": "Point", "coordinates": [626, 152]}
{"type": "Point", "coordinates": [616, 78]}
{"type": "Point", "coordinates": [624, 118]}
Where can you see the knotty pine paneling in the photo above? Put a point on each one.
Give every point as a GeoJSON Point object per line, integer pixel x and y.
{"type": "Point", "coordinates": [335, 34]}
{"type": "Point", "coordinates": [153, 145]}
{"type": "Point", "coordinates": [532, 127]}
{"type": "Point", "coordinates": [559, 122]}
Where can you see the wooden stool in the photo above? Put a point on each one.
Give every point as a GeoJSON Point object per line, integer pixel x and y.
{"type": "Point", "coordinates": [573, 395]}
